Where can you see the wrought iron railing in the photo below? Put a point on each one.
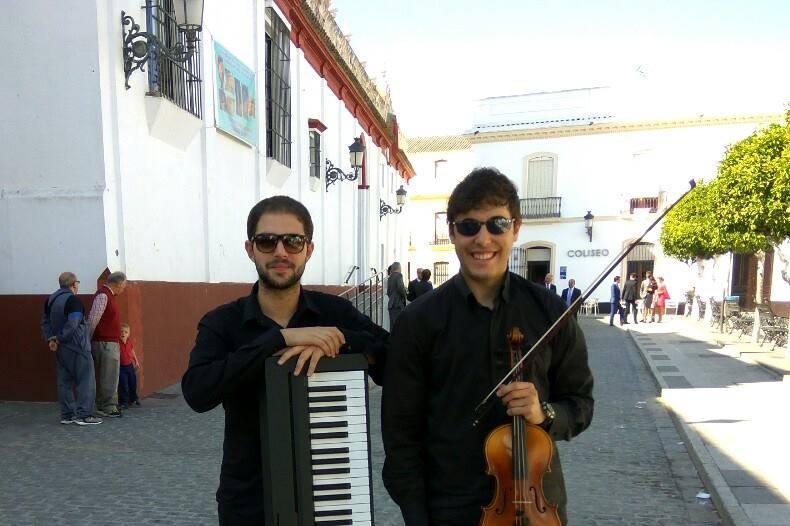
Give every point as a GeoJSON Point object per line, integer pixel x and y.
{"type": "Point", "coordinates": [650, 203]}
{"type": "Point", "coordinates": [539, 207]}
{"type": "Point", "coordinates": [179, 82]}
{"type": "Point", "coordinates": [368, 298]}
{"type": "Point", "coordinates": [439, 241]}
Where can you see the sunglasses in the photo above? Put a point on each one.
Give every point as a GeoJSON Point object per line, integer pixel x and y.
{"type": "Point", "coordinates": [470, 227]}
{"type": "Point", "coordinates": [292, 243]}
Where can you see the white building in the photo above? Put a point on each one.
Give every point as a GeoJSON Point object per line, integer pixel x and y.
{"type": "Point", "coordinates": [156, 179]}
{"type": "Point", "coordinates": [570, 153]}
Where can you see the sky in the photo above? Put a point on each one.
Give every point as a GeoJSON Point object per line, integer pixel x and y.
{"type": "Point", "coordinates": [694, 57]}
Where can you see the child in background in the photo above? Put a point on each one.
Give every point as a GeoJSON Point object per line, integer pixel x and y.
{"type": "Point", "coordinates": [127, 382]}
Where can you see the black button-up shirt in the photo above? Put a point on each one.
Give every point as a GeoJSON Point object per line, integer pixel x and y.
{"type": "Point", "coordinates": [447, 352]}
{"type": "Point", "coordinates": [226, 367]}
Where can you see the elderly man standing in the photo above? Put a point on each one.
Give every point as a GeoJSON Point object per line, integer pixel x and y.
{"type": "Point", "coordinates": [105, 325]}
{"type": "Point", "coordinates": [396, 292]}
{"type": "Point", "coordinates": [64, 328]}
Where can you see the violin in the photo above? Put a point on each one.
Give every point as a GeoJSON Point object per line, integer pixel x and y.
{"type": "Point", "coordinates": [519, 499]}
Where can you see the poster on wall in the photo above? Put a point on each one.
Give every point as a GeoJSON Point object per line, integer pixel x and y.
{"type": "Point", "coordinates": [235, 105]}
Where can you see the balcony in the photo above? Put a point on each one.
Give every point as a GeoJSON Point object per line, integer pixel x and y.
{"type": "Point", "coordinates": [540, 207]}
{"type": "Point", "coordinates": [439, 241]}
{"type": "Point", "coordinates": [641, 203]}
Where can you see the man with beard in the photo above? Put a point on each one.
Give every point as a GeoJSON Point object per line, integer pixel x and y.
{"type": "Point", "coordinates": [278, 318]}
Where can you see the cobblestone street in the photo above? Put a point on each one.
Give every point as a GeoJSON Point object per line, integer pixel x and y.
{"type": "Point", "coordinates": [159, 464]}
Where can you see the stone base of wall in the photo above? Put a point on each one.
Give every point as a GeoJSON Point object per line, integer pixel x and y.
{"type": "Point", "coordinates": [163, 317]}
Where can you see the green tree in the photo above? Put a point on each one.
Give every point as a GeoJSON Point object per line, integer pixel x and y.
{"type": "Point", "coordinates": [745, 209]}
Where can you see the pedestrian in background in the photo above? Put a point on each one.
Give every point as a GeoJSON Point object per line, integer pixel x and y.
{"type": "Point", "coordinates": [548, 282]}
{"type": "Point", "coordinates": [105, 326]}
{"type": "Point", "coordinates": [614, 303]}
{"type": "Point", "coordinates": [646, 302]}
{"type": "Point", "coordinates": [410, 292]}
{"type": "Point", "coordinates": [630, 295]}
{"type": "Point", "coordinates": [396, 293]}
{"type": "Point", "coordinates": [64, 327]}
{"type": "Point", "coordinates": [650, 299]}
{"type": "Point", "coordinates": [661, 297]}
{"type": "Point", "coordinates": [127, 379]}
{"type": "Point", "coordinates": [570, 294]}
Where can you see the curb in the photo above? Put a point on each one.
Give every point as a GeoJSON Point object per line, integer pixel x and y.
{"type": "Point", "coordinates": [726, 504]}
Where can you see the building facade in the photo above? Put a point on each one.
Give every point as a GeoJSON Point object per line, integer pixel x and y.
{"type": "Point", "coordinates": [150, 167]}
{"type": "Point", "coordinates": [571, 155]}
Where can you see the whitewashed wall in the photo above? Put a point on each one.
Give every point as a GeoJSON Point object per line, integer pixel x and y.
{"type": "Point", "coordinates": [91, 179]}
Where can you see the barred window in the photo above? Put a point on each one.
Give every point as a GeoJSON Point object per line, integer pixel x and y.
{"type": "Point", "coordinates": [315, 154]}
{"type": "Point", "coordinates": [440, 272]}
{"type": "Point", "coordinates": [178, 82]}
{"type": "Point", "coordinates": [278, 89]}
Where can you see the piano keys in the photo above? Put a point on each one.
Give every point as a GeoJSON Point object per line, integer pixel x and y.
{"type": "Point", "coordinates": [315, 444]}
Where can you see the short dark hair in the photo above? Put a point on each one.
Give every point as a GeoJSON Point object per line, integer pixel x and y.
{"type": "Point", "coordinates": [426, 274]}
{"type": "Point", "coordinates": [483, 187]}
{"type": "Point", "coordinates": [280, 204]}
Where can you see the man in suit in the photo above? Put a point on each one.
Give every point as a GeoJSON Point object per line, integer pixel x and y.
{"type": "Point", "coordinates": [548, 282]}
{"type": "Point", "coordinates": [630, 295]}
{"type": "Point", "coordinates": [614, 302]}
{"type": "Point", "coordinates": [396, 292]}
{"type": "Point", "coordinates": [411, 293]}
{"type": "Point", "coordinates": [570, 294]}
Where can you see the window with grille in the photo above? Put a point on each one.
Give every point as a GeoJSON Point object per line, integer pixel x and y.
{"type": "Point", "coordinates": [315, 154]}
{"type": "Point", "coordinates": [440, 272]}
{"type": "Point", "coordinates": [278, 89]}
{"type": "Point", "coordinates": [441, 235]}
{"type": "Point", "coordinates": [178, 82]}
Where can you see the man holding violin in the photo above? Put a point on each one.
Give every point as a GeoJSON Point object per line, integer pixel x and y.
{"type": "Point", "coordinates": [449, 349]}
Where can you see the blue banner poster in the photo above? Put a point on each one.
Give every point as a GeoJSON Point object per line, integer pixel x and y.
{"type": "Point", "coordinates": [235, 103]}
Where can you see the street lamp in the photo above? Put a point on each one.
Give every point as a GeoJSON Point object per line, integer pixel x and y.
{"type": "Point", "coordinates": [385, 209]}
{"type": "Point", "coordinates": [356, 156]}
{"type": "Point", "coordinates": [139, 46]}
{"type": "Point", "coordinates": [588, 224]}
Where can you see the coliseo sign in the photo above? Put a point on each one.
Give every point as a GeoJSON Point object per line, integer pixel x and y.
{"type": "Point", "coordinates": [588, 253]}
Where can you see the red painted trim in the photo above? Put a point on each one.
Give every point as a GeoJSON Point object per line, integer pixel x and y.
{"type": "Point", "coordinates": [305, 37]}
{"type": "Point", "coordinates": [315, 124]}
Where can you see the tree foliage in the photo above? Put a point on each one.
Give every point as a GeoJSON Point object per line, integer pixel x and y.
{"type": "Point", "coordinates": [745, 209]}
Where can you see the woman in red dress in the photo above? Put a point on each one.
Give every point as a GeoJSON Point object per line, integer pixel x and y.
{"type": "Point", "coordinates": [662, 296]}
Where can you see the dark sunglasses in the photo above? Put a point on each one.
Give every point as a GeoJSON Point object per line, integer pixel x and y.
{"type": "Point", "coordinates": [292, 243]}
{"type": "Point", "coordinates": [470, 227]}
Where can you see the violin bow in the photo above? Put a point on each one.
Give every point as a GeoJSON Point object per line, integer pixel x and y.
{"type": "Point", "coordinates": [484, 406]}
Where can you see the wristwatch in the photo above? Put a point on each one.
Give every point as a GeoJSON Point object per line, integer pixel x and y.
{"type": "Point", "coordinates": [549, 413]}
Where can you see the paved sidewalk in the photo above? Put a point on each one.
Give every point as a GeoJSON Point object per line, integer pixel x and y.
{"type": "Point", "coordinates": [730, 402]}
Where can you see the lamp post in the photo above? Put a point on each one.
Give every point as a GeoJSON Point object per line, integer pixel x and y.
{"type": "Point", "coordinates": [356, 157]}
{"type": "Point", "coordinates": [588, 224]}
{"type": "Point", "coordinates": [139, 46]}
{"type": "Point", "coordinates": [385, 209]}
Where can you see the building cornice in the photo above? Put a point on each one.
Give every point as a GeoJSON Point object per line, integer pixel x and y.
{"type": "Point", "coordinates": [430, 197]}
{"type": "Point", "coordinates": [315, 32]}
{"type": "Point", "coordinates": [444, 143]}
{"type": "Point", "coordinates": [619, 127]}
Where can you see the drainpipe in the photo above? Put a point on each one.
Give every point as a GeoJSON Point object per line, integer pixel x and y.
{"type": "Point", "coordinates": [364, 218]}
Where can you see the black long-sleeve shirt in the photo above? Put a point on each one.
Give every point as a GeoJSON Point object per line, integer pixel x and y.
{"type": "Point", "coordinates": [447, 352]}
{"type": "Point", "coordinates": [226, 367]}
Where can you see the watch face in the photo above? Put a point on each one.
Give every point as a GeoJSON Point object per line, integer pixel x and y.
{"type": "Point", "coordinates": [549, 410]}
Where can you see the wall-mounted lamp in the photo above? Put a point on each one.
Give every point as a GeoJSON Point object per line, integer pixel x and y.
{"type": "Point", "coordinates": [588, 224]}
{"type": "Point", "coordinates": [139, 46]}
{"type": "Point", "coordinates": [385, 209]}
{"type": "Point", "coordinates": [356, 155]}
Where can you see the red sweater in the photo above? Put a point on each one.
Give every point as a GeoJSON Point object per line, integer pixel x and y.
{"type": "Point", "coordinates": [126, 352]}
{"type": "Point", "coordinates": [109, 327]}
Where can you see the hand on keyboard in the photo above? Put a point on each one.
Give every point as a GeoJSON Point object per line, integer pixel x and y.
{"type": "Point", "coordinates": [330, 339]}
{"type": "Point", "coordinates": [305, 353]}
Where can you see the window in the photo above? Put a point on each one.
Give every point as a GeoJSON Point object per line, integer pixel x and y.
{"type": "Point", "coordinates": [439, 272]}
{"type": "Point", "coordinates": [315, 154]}
{"type": "Point", "coordinates": [539, 175]}
{"type": "Point", "coordinates": [441, 235]}
{"type": "Point", "coordinates": [178, 82]}
{"type": "Point", "coordinates": [439, 168]}
{"type": "Point", "coordinates": [278, 89]}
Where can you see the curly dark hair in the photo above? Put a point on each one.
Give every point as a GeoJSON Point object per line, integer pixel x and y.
{"type": "Point", "coordinates": [280, 204]}
{"type": "Point", "coordinates": [483, 187]}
